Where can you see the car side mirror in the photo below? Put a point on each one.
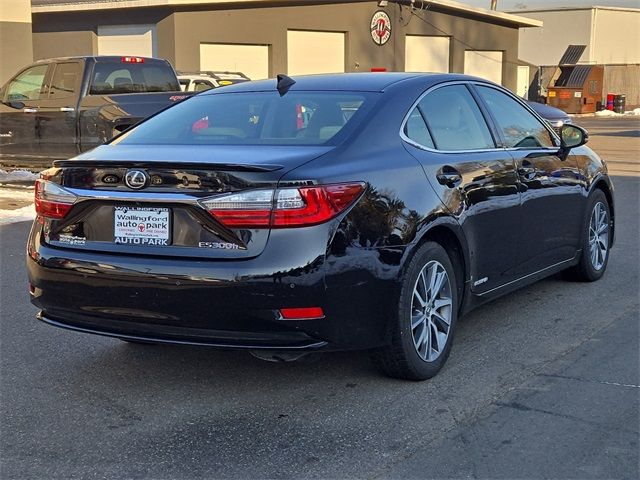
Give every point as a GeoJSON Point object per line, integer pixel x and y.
{"type": "Point", "coordinates": [14, 104]}
{"type": "Point", "coordinates": [573, 136]}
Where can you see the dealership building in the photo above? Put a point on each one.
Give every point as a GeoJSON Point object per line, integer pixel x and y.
{"type": "Point", "coordinates": [264, 37]}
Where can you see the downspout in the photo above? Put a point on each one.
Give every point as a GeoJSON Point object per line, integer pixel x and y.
{"type": "Point", "coordinates": [592, 35]}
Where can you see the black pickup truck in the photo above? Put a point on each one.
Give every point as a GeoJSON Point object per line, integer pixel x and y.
{"type": "Point", "coordinates": [58, 108]}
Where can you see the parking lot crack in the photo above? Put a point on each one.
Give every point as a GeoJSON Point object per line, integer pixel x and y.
{"type": "Point", "coordinates": [586, 380]}
{"type": "Point", "coordinates": [525, 408]}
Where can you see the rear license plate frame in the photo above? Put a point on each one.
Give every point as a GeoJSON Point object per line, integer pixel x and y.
{"type": "Point", "coordinates": [153, 232]}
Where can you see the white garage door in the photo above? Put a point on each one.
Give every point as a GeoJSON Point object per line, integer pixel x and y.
{"type": "Point", "coordinates": [484, 63]}
{"type": "Point", "coordinates": [252, 60]}
{"type": "Point", "coordinates": [426, 54]}
{"type": "Point", "coordinates": [315, 52]}
{"type": "Point", "coordinates": [137, 40]}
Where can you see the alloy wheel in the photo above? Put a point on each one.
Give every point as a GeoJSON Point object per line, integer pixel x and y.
{"type": "Point", "coordinates": [598, 236]}
{"type": "Point", "coordinates": [431, 311]}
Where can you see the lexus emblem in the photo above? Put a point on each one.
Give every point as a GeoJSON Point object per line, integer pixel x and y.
{"type": "Point", "coordinates": [136, 179]}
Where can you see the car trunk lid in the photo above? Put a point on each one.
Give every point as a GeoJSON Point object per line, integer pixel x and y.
{"type": "Point", "coordinates": [165, 216]}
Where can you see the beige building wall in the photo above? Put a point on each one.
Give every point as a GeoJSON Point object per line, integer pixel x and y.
{"type": "Point", "coordinates": [545, 45]}
{"type": "Point", "coordinates": [64, 44]}
{"type": "Point", "coordinates": [16, 47]}
{"type": "Point", "coordinates": [616, 36]}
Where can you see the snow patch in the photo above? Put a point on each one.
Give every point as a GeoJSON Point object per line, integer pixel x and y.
{"type": "Point", "coordinates": [611, 113]}
{"type": "Point", "coordinates": [16, 193]}
{"type": "Point", "coordinates": [18, 176]}
{"type": "Point", "coordinates": [607, 113]}
{"type": "Point", "coordinates": [18, 215]}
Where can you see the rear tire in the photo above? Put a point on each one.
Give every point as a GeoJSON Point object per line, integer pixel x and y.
{"type": "Point", "coordinates": [595, 240]}
{"type": "Point", "coordinates": [424, 322]}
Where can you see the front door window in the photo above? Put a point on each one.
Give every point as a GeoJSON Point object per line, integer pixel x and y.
{"type": "Point", "coordinates": [27, 85]}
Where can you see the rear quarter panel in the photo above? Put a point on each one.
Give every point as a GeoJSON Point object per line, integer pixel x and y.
{"type": "Point", "coordinates": [369, 245]}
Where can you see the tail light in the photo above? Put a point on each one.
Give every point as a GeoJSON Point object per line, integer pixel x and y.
{"type": "Point", "coordinates": [132, 60]}
{"type": "Point", "coordinates": [52, 201]}
{"type": "Point", "coordinates": [285, 207]}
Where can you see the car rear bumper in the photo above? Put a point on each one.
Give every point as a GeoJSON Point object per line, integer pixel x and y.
{"type": "Point", "coordinates": [230, 304]}
{"type": "Point", "coordinates": [140, 331]}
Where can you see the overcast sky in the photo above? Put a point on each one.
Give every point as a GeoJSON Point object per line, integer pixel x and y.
{"type": "Point", "coordinates": [531, 4]}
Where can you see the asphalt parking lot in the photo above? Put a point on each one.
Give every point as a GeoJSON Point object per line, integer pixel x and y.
{"type": "Point", "coordinates": [544, 383]}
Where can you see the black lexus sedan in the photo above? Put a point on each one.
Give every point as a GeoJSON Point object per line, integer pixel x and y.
{"type": "Point", "coordinates": [354, 211]}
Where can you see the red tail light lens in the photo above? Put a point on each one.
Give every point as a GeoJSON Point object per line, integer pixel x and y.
{"type": "Point", "coordinates": [52, 201]}
{"type": "Point", "coordinates": [308, 313]}
{"type": "Point", "coordinates": [286, 207]}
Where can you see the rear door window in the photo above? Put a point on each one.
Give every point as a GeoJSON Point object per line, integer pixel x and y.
{"type": "Point", "coordinates": [416, 129]}
{"type": "Point", "coordinates": [455, 120]}
{"type": "Point", "coordinates": [202, 85]}
{"type": "Point", "coordinates": [65, 80]}
{"type": "Point", "coordinates": [123, 77]}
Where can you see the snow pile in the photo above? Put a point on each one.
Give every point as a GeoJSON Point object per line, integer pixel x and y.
{"type": "Point", "coordinates": [611, 113]}
{"type": "Point", "coordinates": [18, 215]}
{"type": "Point", "coordinates": [607, 113]}
{"type": "Point", "coordinates": [17, 176]}
{"type": "Point", "coordinates": [16, 196]}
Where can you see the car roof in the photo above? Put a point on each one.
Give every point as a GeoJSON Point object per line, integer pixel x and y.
{"type": "Point", "coordinates": [100, 58]}
{"type": "Point", "coordinates": [364, 82]}
{"type": "Point", "coordinates": [195, 77]}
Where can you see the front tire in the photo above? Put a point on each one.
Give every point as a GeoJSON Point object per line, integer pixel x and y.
{"type": "Point", "coordinates": [595, 240]}
{"type": "Point", "coordinates": [424, 322]}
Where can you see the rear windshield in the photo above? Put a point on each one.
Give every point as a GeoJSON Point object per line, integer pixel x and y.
{"type": "Point", "coordinates": [257, 118]}
{"type": "Point", "coordinates": [115, 77]}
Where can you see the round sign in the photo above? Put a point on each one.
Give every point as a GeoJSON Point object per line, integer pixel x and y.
{"type": "Point", "coordinates": [380, 27]}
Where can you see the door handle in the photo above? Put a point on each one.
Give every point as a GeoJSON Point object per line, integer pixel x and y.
{"type": "Point", "coordinates": [527, 170]}
{"type": "Point", "coordinates": [67, 109]}
{"type": "Point", "coordinates": [449, 177]}
{"type": "Point", "coordinates": [30, 110]}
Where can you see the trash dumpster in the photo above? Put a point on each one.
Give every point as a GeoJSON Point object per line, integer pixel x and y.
{"type": "Point", "coordinates": [576, 88]}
